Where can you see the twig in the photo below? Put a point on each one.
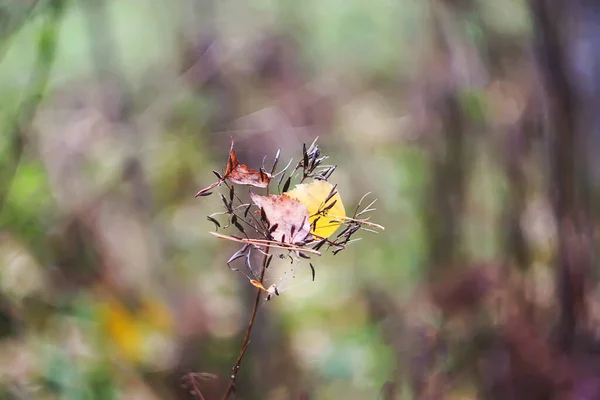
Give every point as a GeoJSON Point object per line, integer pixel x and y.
{"type": "Point", "coordinates": [360, 221]}
{"type": "Point", "coordinates": [39, 81]}
{"type": "Point", "coordinates": [246, 341]}
{"type": "Point", "coordinates": [196, 389]}
{"type": "Point", "coordinates": [266, 243]}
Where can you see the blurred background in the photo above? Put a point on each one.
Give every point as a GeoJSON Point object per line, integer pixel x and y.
{"type": "Point", "coordinates": [473, 122]}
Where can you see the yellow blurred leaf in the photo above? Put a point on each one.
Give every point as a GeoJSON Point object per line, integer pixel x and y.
{"type": "Point", "coordinates": [130, 330]}
{"type": "Point", "coordinates": [122, 329]}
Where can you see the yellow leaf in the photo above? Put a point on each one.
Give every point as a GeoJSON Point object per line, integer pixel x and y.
{"type": "Point", "coordinates": [156, 314]}
{"type": "Point", "coordinates": [313, 196]}
{"type": "Point", "coordinates": [129, 330]}
{"type": "Point", "coordinates": [122, 329]}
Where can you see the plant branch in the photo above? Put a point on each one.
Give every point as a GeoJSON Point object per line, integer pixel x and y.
{"type": "Point", "coordinates": [246, 341]}
{"type": "Point", "coordinates": [266, 243]}
{"type": "Point", "coordinates": [39, 81]}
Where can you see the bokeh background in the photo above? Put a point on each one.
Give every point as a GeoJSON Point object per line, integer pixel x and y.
{"type": "Point", "coordinates": [113, 114]}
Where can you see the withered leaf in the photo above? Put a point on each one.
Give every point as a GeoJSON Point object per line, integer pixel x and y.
{"type": "Point", "coordinates": [268, 261]}
{"type": "Point", "coordinates": [329, 206]}
{"type": "Point", "coordinates": [238, 254]}
{"type": "Point", "coordinates": [239, 173]}
{"type": "Point", "coordinates": [263, 216]}
{"type": "Point", "coordinates": [304, 155]}
{"type": "Point", "coordinates": [288, 216]}
{"type": "Point", "coordinates": [313, 225]}
{"type": "Point", "coordinates": [214, 221]}
{"type": "Point", "coordinates": [286, 185]}
{"type": "Point", "coordinates": [331, 194]}
{"type": "Point", "coordinates": [239, 227]}
{"type": "Point", "coordinates": [242, 175]}
{"type": "Point", "coordinates": [320, 244]}
{"type": "Point", "coordinates": [234, 221]}
{"type": "Point", "coordinates": [227, 205]}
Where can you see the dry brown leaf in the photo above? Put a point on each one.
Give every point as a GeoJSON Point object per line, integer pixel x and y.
{"type": "Point", "coordinates": [240, 174]}
{"type": "Point", "coordinates": [289, 217]}
{"type": "Point", "coordinates": [271, 290]}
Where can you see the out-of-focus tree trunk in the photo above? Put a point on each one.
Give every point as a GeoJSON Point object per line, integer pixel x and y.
{"type": "Point", "coordinates": [569, 172]}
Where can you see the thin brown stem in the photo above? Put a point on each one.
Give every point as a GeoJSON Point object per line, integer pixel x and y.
{"type": "Point", "coordinates": [196, 389]}
{"type": "Point", "coordinates": [246, 341]}
{"type": "Point", "coordinates": [266, 243]}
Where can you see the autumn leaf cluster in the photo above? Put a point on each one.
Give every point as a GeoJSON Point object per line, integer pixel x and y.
{"type": "Point", "coordinates": [295, 223]}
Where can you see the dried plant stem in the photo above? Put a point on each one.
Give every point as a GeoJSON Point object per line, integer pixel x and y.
{"type": "Point", "coordinates": [360, 221]}
{"type": "Point", "coordinates": [196, 389]}
{"type": "Point", "coordinates": [266, 243]}
{"type": "Point", "coordinates": [246, 341]}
